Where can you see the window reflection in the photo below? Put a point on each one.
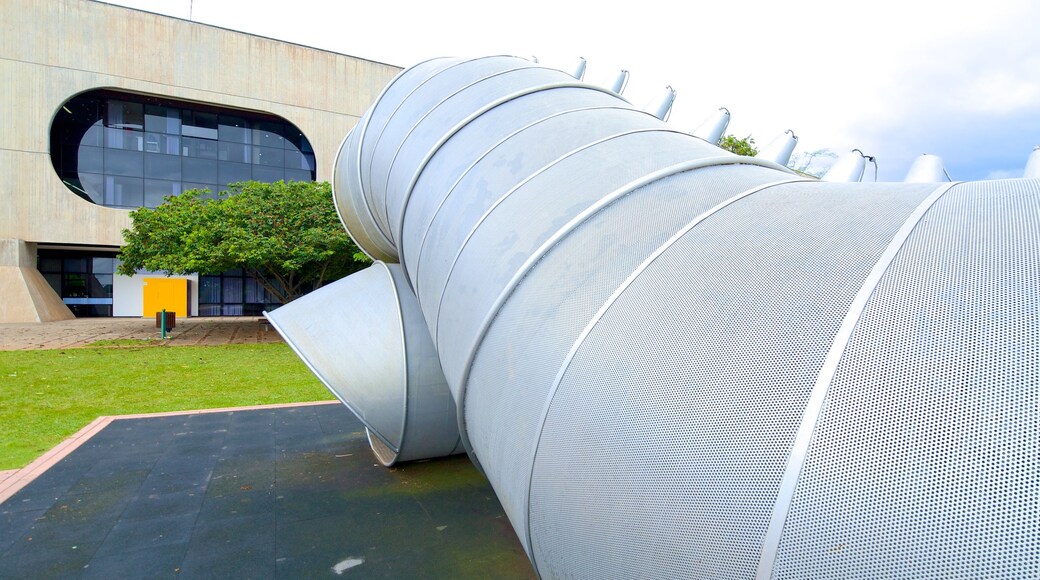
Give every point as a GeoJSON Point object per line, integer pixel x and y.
{"type": "Point", "coordinates": [127, 150]}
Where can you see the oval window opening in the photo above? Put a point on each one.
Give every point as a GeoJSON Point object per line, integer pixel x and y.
{"type": "Point", "coordinates": [128, 151]}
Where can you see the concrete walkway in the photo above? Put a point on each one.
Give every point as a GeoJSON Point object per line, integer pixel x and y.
{"type": "Point", "coordinates": [84, 331]}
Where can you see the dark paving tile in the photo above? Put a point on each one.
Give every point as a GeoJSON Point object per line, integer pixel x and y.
{"type": "Point", "coordinates": [66, 561]}
{"type": "Point", "coordinates": [242, 547]}
{"type": "Point", "coordinates": [155, 562]}
{"type": "Point", "coordinates": [236, 505]}
{"type": "Point", "coordinates": [242, 473]}
{"type": "Point", "coordinates": [131, 535]}
{"type": "Point", "coordinates": [35, 498]}
{"type": "Point", "coordinates": [145, 506]}
{"type": "Point", "coordinates": [14, 525]}
{"type": "Point", "coordinates": [58, 538]}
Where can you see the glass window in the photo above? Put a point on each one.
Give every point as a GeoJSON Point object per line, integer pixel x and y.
{"type": "Point", "coordinates": [75, 264]}
{"type": "Point", "coordinates": [74, 285]}
{"type": "Point", "coordinates": [49, 265]}
{"type": "Point", "coordinates": [55, 281]}
{"type": "Point", "coordinates": [93, 185]}
{"type": "Point", "coordinates": [124, 191]}
{"type": "Point", "coordinates": [156, 190]}
{"type": "Point", "coordinates": [232, 128]}
{"type": "Point", "coordinates": [200, 170]}
{"type": "Point", "coordinates": [231, 310]}
{"type": "Point", "coordinates": [103, 265]}
{"type": "Point", "coordinates": [201, 148]}
{"type": "Point", "coordinates": [236, 152]}
{"type": "Point", "coordinates": [124, 139]}
{"type": "Point", "coordinates": [254, 291]}
{"type": "Point", "coordinates": [100, 286]}
{"type": "Point", "coordinates": [235, 172]}
{"type": "Point", "coordinates": [95, 136]}
{"type": "Point", "coordinates": [126, 115]}
{"type": "Point", "coordinates": [199, 124]}
{"type": "Point", "coordinates": [298, 175]}
{"type": "Point", "coordinates": [162, 143]}
{"type": "Point", "coordinates": [128, 163]}
{"type": "Point", "coordinates": [209, 289]}
{"type": "Point", "coordinates": [232, 290]}
{"type": "Point", "coordinates": [162, 167]}
{"type": "Point", "coordinates": [91, 160]}
{"type": "Point", "coordinates": [268, 174]}
{"type": "Point", "coordinates": [268, 134]}
{"type": "Point", "coordinates": [162, 119]}
{"type": "Point", "coordinates": [269, 156]}
{"type": "Point", "coordinates": [209, 309]}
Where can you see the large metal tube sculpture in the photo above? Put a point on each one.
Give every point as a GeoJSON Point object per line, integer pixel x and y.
{"type": "Point", "coordinates": [671, 361]}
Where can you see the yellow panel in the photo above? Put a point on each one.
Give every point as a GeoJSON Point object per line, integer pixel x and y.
{"type": "Point", "coordinates": [168, 293]}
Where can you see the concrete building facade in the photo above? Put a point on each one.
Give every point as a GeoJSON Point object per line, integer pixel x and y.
{"type": "Point", "coordinates": [137, 63]}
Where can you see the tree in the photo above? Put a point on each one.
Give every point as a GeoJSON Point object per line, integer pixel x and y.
{"type": "Point", "coordinates": [745, 146]}
{"type": "Point", "coordinates": [286, 236]}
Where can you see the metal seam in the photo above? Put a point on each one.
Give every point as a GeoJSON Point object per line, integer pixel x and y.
{"type": "Point", "coordinates": [435, 332]}
{"type": "Point", "coordinates": [450, 190]}
{"type": "Point", "coordinates": [818, 395]}
{"type": "Point", "coordinates": [404, 356]}
{"type": "Point", "coordinates": [362, 168]}
{"type": "Point", "coordinates": [602, 312]}
{"type": "Point", "coordinates": [419, 121]}
{"type": "Point", "coordinates": [461, 125]}
{"type": "Point", "coordinates": [538, 254]}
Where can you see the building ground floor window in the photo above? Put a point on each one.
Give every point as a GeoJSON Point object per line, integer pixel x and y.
{"type": "Point", "coordinates": [87, 282]}
{"type": "Point", "coordinates": [233, 293]}
{"type": "Point", "coordinates": [83, 279]}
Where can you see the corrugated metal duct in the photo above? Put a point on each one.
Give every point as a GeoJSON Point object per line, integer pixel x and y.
{"type": "Point", "coordinates": [674, 362]}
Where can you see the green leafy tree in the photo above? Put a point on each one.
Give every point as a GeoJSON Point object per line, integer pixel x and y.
{"type": "Point", "coordinates": [745, 146]}
{"type": "Point", "coordinates": [286, 236]}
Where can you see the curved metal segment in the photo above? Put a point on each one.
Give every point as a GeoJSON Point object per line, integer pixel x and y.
{"type": "Point", "coordinates": [386, 372]}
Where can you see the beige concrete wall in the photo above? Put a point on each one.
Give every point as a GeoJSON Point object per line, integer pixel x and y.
{"type": "Point", "coordinates": [50, 51]}
{"type": "Point", "coordinates": [25, 295]}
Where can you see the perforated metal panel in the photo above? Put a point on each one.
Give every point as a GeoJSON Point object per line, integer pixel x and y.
{"type": "Point", "coordinates": [495, 175]}
{"type": "Point", "coordinates": [685, 396]}
{"type": "Point", "coordinates": [529, 338]}
{"type": "Point", "coordinates": [471, 143]}
{"type": "Point", "coordinates": [515, 229]}
{"type": "Point", "coordinates": [439, 121]}
{"type": "Point", "coordinates": [418, 104]}
{"type": "Point", "coordinates": [925, 461]}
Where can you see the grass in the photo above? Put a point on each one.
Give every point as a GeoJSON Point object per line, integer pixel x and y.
{"type": "Point", "coordinates": [47, 395]}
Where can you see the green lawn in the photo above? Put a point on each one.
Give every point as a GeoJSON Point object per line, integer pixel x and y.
{"type": "Point", "coordinates": [47, 395]}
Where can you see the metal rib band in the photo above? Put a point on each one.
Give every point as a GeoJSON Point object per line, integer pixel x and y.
{"type": "Point", "coordinates": [450, 190]}
{"type": "Point", "coordinates": [447, 136]}
{"type": "Point", "coordinates": [601, 313]}
{"type": "Point", "coordinates": [430, 111]}
{"type": "Point", "coordinates": [818, 395]}
{"type": "Point", "coordinates": [435, 332]}
{"type": "Point", "coordinates": [459, 127]}
{"type": "Point", "coordinates": [581, 218]}
{"type": "Point", "coordinates": [365, 173]}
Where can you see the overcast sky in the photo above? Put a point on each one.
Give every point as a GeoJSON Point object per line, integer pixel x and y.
{"type": "Point", "coordinates": [893, 78]}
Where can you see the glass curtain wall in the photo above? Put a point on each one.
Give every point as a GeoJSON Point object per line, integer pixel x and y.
{"type": "Point", "coordinates": [128, 151]}
{"type": "Point", "coordinates": [82, 279]}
